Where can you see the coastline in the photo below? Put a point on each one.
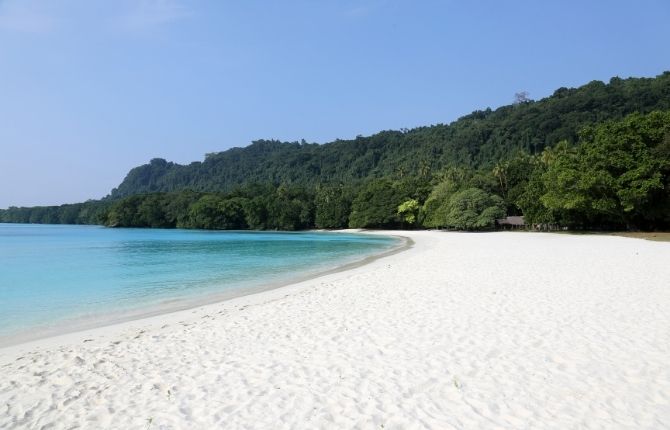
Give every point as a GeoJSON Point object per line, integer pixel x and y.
{"type": "Point", "coordinates": [83, 330]}
{"type": "Point", "coordinates": [462, 330]}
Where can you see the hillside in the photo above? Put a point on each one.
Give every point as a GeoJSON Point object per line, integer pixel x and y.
{"type": "Point", "coordinates": [477, 140]}
{"type": "Point", "coordinates": [594, 157]}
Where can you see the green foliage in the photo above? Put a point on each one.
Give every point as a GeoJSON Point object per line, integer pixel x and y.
{"type": "Point", "coordinates": [469, 209]}
{"type": "Point", "coordinates": [256, 213]}
{"type": "Point", "coordinates": [375, 206]}
{"type": "Point", "coordinates": [290, 208]}
{"type": "Point", "coordinates": [617, 177]}
{"type": "Point", "coordinates": [408, 211]}
{"type": "Point", "coordinates": [332, 205]}
{"type": "Point", "coordinates": [177, 208]}
{"type": "Point", "coordinates": [512, 176]}
{"type": "Point", "coordinates": [453, 180]}
{"type": "Point", "coordinates": [214, 212]}
{"type": "Point", "coordinates": [434, 206]}
{"type": "Point", "coordinates": [91, 212]}
{"type": "Point", "coordinates": [206, 213]}
{"type": "Point", "coordinates": [573, 159]}
{"type": "Point", "coordinates": [528, 200]}
{"type": "Point", "coordinates": [125, 213]}
{"type": "Point", "coordinates": [477, 141]}
{"type": "Point", "coordinates": [234, 217]}
{"type": "Point", "coordinates": [151, 212]}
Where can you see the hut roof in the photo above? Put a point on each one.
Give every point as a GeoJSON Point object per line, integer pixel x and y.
{"type": "Point", "coordinates": [511, 220]}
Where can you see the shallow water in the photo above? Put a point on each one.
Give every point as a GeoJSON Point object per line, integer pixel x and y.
{"type": "Point", "coordinates": [56, 276]}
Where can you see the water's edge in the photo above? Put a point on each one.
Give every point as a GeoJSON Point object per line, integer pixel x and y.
{"type": "Point", "coordinates": [179, 305]}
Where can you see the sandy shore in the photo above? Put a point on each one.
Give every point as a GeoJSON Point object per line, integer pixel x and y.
{"type": "Point", "coordinates": [464, 331]}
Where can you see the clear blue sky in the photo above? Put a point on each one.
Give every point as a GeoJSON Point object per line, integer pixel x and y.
{"type": "Point", "coordinates": [91, 88]}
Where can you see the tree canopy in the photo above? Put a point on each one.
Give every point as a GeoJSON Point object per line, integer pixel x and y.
{"type": "Point", "coordinates": [478, 140]}
{"type": "Point", "coordinates": [574, 160]}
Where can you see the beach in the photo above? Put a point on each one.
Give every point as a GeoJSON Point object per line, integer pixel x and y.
{"type": "Point", "coordinates": [460, 331]}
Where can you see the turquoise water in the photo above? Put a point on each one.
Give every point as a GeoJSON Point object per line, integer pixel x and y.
{"type": "Point", "coordinates": [57, 276]}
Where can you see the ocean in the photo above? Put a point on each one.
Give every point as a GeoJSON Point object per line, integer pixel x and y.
{"type": "Point", "coordinates": [58, 278]}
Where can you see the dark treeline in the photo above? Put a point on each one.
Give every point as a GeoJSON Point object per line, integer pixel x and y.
{"type": "Point", "coordinates": [475, 141]}
{"type": "Point", "coordinates": [90, 212]}
{"type": "Point", "coordinates": [615, 176]}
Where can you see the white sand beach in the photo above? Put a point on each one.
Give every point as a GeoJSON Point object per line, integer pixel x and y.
{"type": "Point", "coordinates": [462, 331]}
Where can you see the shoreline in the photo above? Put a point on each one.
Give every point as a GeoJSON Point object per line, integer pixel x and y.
{"type": "Point", "coordinates": [462, 330]}
{"type": "Point", "coordinates": [12, 345]}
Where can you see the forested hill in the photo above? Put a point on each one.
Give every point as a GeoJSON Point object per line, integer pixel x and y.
{"type": "Point", "coordinates": [477, 140]}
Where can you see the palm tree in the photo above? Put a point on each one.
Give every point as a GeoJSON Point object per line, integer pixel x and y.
{"type": "Point", "coordinates": [500, 172]}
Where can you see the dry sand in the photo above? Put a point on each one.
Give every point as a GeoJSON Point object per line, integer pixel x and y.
{"type": "Point", "coordinates": [463, 331]}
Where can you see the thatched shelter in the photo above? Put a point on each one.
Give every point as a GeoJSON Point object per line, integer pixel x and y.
{"type": "Point", "coordinates": [510, 223]}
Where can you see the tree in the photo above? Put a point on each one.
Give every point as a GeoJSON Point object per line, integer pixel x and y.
{"type": "Point", "coordinates": [408, 211]}
{"type": "Point", "coordinates": [375, 206]}
{"type": "Point", "coordinates": [500, 172]}
{"type": "Point", "coordinates": [232, 214]}
{"type": "Point", "coordinates": [476, 140]}
{"type": "Point", "coordinates": [207, 213]}
{"type": "Point", "coordinates": [452, 180]}
{"type": "Point", "coordinates": [572, 158]}
{"type": "Point", "coordinates": [474, 209]}
{"type": "Point", "coordinates": [616, 177]}
{"type": "Point", "coordinates": [290, 208]}
{"type": "Point", "coordinates": [332, 205]}
{"type": "Point", "coordinates": [470, 209]}
{"type": "Point", "coordinates": [521, 97]}
{"type": "Point", "coordinates": [256, 213]}
{"type": "Point", "coordinates": [518, 171]}
{"type": "Point", "coordinates": [529, 199]}
{"type": "Point", "coordinates": [124, 213]}
{"type": "Point", "coordinates": [151, 212]}
{"type": "Point", "coordinates": [177, 207]}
